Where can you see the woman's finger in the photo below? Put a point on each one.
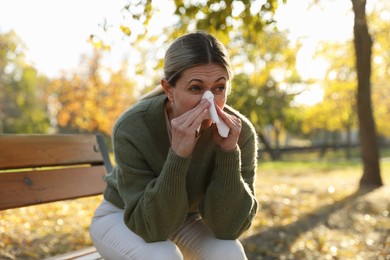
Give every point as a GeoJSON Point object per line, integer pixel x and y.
{"type": "Point", "coordinates": [233, 122]}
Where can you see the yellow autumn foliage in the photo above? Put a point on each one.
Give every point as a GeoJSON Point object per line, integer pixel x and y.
{"type": "Point", "coordinates": [87, 103]}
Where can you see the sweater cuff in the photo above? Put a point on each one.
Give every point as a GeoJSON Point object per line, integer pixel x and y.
{"type": "Point", "coordinates": [173, 175]}
{"type": "Point", "coordinates": [228, 169]}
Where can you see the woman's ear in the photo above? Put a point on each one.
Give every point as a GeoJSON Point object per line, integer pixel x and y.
{"type": "Point", "coordinates": [167, 89]}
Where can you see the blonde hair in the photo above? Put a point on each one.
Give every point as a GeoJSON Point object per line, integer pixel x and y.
{"type": "Point", "coordinates": [191, 50]}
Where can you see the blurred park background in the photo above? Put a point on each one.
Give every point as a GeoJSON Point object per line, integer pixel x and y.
{"type": "Point", "coordinates": [312, 76]}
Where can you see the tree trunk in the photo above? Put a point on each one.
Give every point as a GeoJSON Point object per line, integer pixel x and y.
{"type": "Point", "coordinates": [277, 152]}
{"type": "Point", "coordinates": [368, 140]}
{"type": "Point", "coordinates": [267, 146]}
{"type": "Point", "coordinates": [348, 142]}
{"type": "Point", "coordinates": [325, 145]}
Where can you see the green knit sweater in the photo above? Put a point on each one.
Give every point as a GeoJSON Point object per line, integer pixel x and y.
{"type": "Point", "coordinates": [158, 189]}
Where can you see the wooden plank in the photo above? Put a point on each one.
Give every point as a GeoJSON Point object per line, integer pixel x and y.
{"type": "Point", "coordinates": [18, 189]}
{"type": "Point", "coordinates": [28, 151]}
{"type": "Point", "coordinates": [94, 256]}
{"type": "Point", "coordinates": [89, 253]}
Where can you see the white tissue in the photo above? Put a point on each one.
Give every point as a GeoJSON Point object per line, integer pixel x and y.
{"type": "Point", "coordinates": [223, 129]}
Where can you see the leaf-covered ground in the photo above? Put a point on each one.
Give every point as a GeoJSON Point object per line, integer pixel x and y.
{"type": "Point", "coordinates": [305, 213]}
{"type": "Point", "coordinates": [319, 215]}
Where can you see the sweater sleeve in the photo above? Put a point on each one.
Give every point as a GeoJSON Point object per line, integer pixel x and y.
{"type": "Point", "coordinates": [230, 204]}
{"type": "Point", "coordinates": [155, 204]}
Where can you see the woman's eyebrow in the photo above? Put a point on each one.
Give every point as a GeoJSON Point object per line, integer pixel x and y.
{"type": "Point", "coordinates": [201, 81]}
{"type": "Point", "coordinates": [197, 80]}
{"type": "Point", "coordinates": [220, 79]}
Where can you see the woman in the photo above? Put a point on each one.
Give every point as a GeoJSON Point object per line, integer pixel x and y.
{"type": "Point", "coordinates": [180, 190]}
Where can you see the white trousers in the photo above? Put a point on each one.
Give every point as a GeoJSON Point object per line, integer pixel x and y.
{"type": "Point", "coordinates": [193, 240]}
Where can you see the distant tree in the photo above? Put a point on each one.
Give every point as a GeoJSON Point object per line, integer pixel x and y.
{"type": "Point", "coordinates": [84, 102]}
{"type": "Point", "coordinates": [22, 90]}
{"type": "Point", "coordinates": [245, 98]}
{"type": "Point", "coordinates": [265, 104]}
{"type": "Point", "coordinates": [221, 18]}
{"type": "Point", "coordinates": [337, 111]}
{"type": "Point", "coordinates": [368, 138]}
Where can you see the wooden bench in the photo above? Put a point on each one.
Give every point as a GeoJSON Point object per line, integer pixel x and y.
{"type": "Point", "coordinates": [36, 169]}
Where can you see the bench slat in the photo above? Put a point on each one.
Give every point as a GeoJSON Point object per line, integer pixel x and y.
{"type": "Point", "coordinates": [89, 253]}
{"type": "Point", "coordinates": [28, 151]}
{"type": "Point", "coordinates": [18, 189]}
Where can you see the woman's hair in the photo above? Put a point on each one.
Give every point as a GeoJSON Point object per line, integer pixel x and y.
{"type": "Point", "coordinates": [191, 50]}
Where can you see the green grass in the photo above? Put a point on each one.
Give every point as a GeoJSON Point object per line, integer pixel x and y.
{"type": "Point", "coordinates": [304, 167]}
{"type": "Point", "coordinates": [308, 168]}
{"type": "Point", "coordinates": [331, 155]}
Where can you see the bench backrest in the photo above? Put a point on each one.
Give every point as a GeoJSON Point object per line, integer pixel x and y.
{"type": "Point", "coordinates": [36, 169]}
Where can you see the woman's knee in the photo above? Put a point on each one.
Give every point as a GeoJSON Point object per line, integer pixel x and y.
{"type": "Point", "coordinates": [144, 251]}
{"type": "Point", "coordinates": [225, 249]}
{"type": "Point", "coordinates": [159, 250]}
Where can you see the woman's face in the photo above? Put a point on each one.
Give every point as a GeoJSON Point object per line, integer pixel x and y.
{"type": "Point", "coordinates": [191, 86]}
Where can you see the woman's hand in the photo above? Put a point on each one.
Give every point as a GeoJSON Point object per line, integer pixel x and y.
{"type": "Point", "coordinates": [184, 129]}
{"type": "Point", "coordinates": [234, 123]}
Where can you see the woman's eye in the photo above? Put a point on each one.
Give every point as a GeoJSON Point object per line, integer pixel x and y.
{"type": "Point", "coordinates": [196, 89]}
{"type": "Point", "coordinates": [219, 90]}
